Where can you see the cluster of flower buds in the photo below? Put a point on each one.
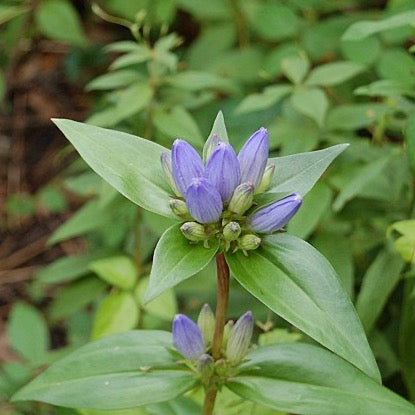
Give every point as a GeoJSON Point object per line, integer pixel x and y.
{"type": "Point", "coordinates": [194, 341]}
{"type": "Point", "coordinates": [217, 200]}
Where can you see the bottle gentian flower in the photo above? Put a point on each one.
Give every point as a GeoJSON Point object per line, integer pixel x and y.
{"type": "Point", "coordinates": [187, 337]}
{"type": "Point", "coordinates": [275, 215]}
{"type": "Point", "coordinates": [253, 157]}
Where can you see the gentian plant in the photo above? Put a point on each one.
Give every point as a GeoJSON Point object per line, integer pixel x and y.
{"type": "Point", "coordinates": [231, 208]}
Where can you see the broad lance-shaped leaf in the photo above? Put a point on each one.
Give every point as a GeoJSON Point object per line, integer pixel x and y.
{"type": "Point", "coordinates": [130, 164]}
{"type": "Point", "coordinates": [175, 260]}
{"type": "Point", "coordinates": [299, 172]}
{"type": "Point", "coordinates": [295, 281]}
{"type": "Point", "coordinates": [122, 371]}
{"type": "Point", "coordinates": [306, 379]}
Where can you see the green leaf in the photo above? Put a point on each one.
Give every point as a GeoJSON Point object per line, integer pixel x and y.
{"type": "Point", "coordinates": [117, 270]}
{"type": "Point", "coordinates": [116, 314]}
{"type": "Point", "coordinates": [295, 281]}
{"type": "Point", "coordinates": [270, 96]}
{"type": "Point", "coordinates": [311, 102]}
{"type": "Point", "coordinates": [128, 163]}
{"type": "Point", "coordinates": [10, 12]}
{"type": "Point", "coordinates": [28, 332]}
{"type": "Point", "coordinates": [410, 140]}
{"type": "Point", "coordinates": [218, 129]}
{"type": "Point", "coordinates": [378, 283]}
{"type": "Point", "coordinates": [119, 372]}
{"type": "Point", "coordinates": [295, 68]}
{"type": "Point", "coordinates": [59, 20]}
{"type": "Point", "coordinates": [386, 88]}
{"type": "Point", "coordinates": [305, 379]}
{"type": "Point", "coordinates": [360, 179]}
{"type": "Point", "coordinates": [334, 73]}
{"type": "Point", "coordinates": [299, 172]}
{"type": "Point", "coordinates": [175, 260]}
{"type": "Point", "coordinates": [363, 29]}
{"type": "Point", "coordinates": [113, 80]}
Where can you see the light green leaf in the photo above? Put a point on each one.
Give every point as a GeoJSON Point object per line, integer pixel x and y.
{"type": "Point", "coordinates": [117, 270]}
{"type": "Point", "coordinates": [386, 88]}
{"type": "Point", "coordinates": [59, 20]}
{"type": "Point", "coordinates": [113, 80]}
{"type": "Point", "coordinates": [295, 68]}
{"type": "Point", "coordinates": [311, 102]}
{"type": "Point", "coordinates": [378, 283]}
{"type": "Point", "coordinates": [141, 53]}
{"type": "Point", "coordinates": [410, 140]}
{"type": "Point", "coordinates": [299, 172]}
{"type": "Point", "coordinates": [334, 73]}
{"type": "Point", "coordinates": [130, 164]}
{"type": "Point", "coordinates": [28, 332]}
{"type": "Point", "coordinates": [219, 130]}
{"type": "Point", "coordinates": [8, 12]}
{"type": "Point", "coordinates": [270, 96]}
{"type": "Point", "coordinates": [360, 178]}
{"type": "Point", "coordinates": [118, 372]}
{"type": "Point", "coordinates": [278, 375]}
{"type": "Point", "coordinates": [363, 29]}
{"type": "Point", "coordinates": [306, 293]}
{"type": "Point", "coordinates": [164, 306]}
{"type": "Point", "coordinates": [116, 314]}
{"type": "Point", "coordinates": [175, 260]}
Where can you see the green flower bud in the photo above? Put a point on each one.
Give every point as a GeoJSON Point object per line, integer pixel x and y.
{"type": "Point", "coordinates": [226, 332]}
{"type": "Point", "coordinates": [266, 179]}
{"type": "Point", "coordinates": [249, 242]}
{"type": "Point", "coordinates": [168, 172]}
{"type": "Point", "coordinates": [242, 198]}
{"type": "Point", "coordinates": [179, 208]}
{"type": "Point", "coordinates": [221, 367]}
{"type": "Point", "coordinates": [206, 367]}
{"type": "Point", "coordinates": [231, 231]}
{"type": "Point", "coordinates": [210, 146]}
{"type": "Point", "coordinates": [194, 231]}
{"type": "Point", "coordinates": [206, 323]}
{"type": "Point", "coordinates": [240, 339]}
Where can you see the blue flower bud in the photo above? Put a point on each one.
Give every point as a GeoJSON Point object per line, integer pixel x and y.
{"type": "Point", "coordinates": [168, 173]}
{"type": "Point", "coordinates": [186, 164]}
{"type": "Point", "coordinates": [242, 198]}
{"type": "Point", "coordinates": [179, 208]}
{"type": "Point", "coordinates": [223, 170]}
{"type": "Point", "coordinates": [187, 338]}
{"type": "Point", "coordinates": [266, 179]}
{"type": "Point", "coordinates": [231, 231]}
{"type": "Point", "coordinates": [253, 157]}
{"type": "Point", "coordinates": [206, 323]}
{"type": "Point", "coordinates": [240, 338]}
{"type": "Point", "coordinates": [203, 201]}
{"type": "Point", "coordinates": [276, 215]}
{"type": "Point", "coordinates": [194, 231]}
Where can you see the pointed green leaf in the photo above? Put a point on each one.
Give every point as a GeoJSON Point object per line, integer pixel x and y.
{"type": "Point", "coordinates": [295, 281]}
{"type": "Point", "coordinates": [121, 371]}
{"type": "Point", "coordinates": [175, 259]}
{"type": "Point", "coordinates": [334, 73]}
{"type": "Point", "coordinates": [299, 172]}
{"type": "Point", "coordinates": [305, 379]}
{"type": "Point", "coordinates": [219, 129]}
{"type": "Point", "coordinates": [130, 164]}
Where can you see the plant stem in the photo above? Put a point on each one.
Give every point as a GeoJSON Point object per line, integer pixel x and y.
{"type": "Point", "coordinates": [221, 304]}
{"type": "Point", "coordinates": [221, 310]}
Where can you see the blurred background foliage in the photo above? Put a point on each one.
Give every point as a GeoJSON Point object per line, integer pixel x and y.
{"type": "Point", "coordinates": [75, 255]}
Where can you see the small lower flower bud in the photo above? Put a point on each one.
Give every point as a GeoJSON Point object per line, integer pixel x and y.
{"type": "Point", "coordinates": [221, 367]}
{"type": "Point", "coordinates": [206, 367]}
{"type": "Point", "coordinates": [242, 198]}
{"type": "Point", "coordinates": [206, 323]}
{"type": "Point", "coordinates": [226, 332]}
{"type": "Point", "coordinates": [266, 179]}
{"type": "Point", "coordinates": [231, 231]}
{"type": "Point", "coordinates": [240, 338]}
{"type": "Point", "coordinates": [249, 242]}
{"type": "Point", "coordinates": [194, 231]}
{"type": "Point", "coordinates": [179, 208]}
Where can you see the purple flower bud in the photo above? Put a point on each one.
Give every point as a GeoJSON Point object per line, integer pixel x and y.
{"type": "Point", "coordinates": [187, 338]}
{"type": "Point", "coordinates": [223, 170]}
{"type": "Point", "coordinates": [253, 157]}
{"type": "Point", "coordinates": [203, 201]}
{"type": "Point", "coordinates": [240, 338]}
{"type": "Point", "coordinates": [186, 164]}
{"type": "Point", "coordinates": [276, 215]}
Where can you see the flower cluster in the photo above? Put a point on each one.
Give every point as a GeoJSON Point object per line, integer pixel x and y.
{"type": "Point", "coordinates": [217, 200]}
{"type": "Point", "coordinates": [194, 341]}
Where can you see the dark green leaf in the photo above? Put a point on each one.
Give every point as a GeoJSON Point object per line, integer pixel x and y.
{"type": "Point", "coordinates": [176, 259]}
{"type": "Point", "coordinates": [296, 281]}
{"type": "Point", "coordinates": [305, 379]}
